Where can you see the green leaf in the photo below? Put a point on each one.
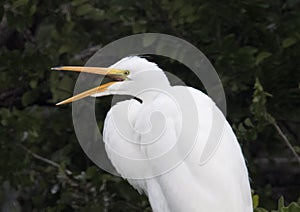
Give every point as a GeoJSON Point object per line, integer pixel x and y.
{"type": "Point", "coordinates": [280, 202]}
{"type": "Point", "coordinates": [63, 49]}
{"type": "Point", "coordinates": [289, 42]}
{"type": "Point", "coordinates": [262, 56]}
{"type": "Point", "coordinates": [97, 14]}
{"type": "Point", "coordinates": [78, 2]}
{"type": "Point", "coordinates": [28, 98]}
{"type": "Point", "coordinates": [20, 3]}
{"type": "Point", "coordinates": [255, 200]}
{"type": "Point", "coordinates": [5, 115]}
{"type": "Point", "coordinates": [91, 172]}
{"type": "Point", "coordinates": [84, 9]}
{"type": "Point", "coordinates": [32, 9]}
{"type": "Point", "coordinates": [241, 128]}
{"type": "Point", "coordinates": [297, 149]}
{"type": "Point", "coordinates": [248, 122]}
{"type": "Point", "coordinates": [44, 32]}
{"type": "Point", "coordinates": [293, 207]}
{"type": "Point", "coordinates": [125, 3]}
{"type": "Point", "coordinates": [33, 83]}
{"type": "Point", "coordinates": [260, 210]}
{"type": "Point", "coordinates": [248, 50]}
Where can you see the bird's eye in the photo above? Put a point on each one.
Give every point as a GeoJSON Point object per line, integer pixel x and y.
{"type": "Point", "coordinates": [126, 72]}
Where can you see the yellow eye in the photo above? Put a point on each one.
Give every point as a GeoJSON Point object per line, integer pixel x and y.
{"type": "Point", "coordinates": [126, 72]}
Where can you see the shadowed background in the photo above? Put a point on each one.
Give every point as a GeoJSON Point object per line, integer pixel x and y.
{"type": "Point", "coordinates": [253, 45]}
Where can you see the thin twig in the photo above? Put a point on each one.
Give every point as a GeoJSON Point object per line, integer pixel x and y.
{"type": "Point", "coordinates": [52, 163]}
{"type": "Point", "coordinates": [286, 140]}
{"type": "Point", "coordinates": [65, 172]}
{"type": "Point", "coordinates": [87, 52]}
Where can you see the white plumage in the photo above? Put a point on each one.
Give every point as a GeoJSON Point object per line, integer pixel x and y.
{"type": "Point", "coordinates": [139, 136]}
{"type": "Point", "coordinates": [220, 185]}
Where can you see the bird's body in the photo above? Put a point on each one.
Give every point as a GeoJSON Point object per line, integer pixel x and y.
{"type": "Point", "coordinates": [219, 185]}
{"type": "Point", "coordinates": [131, 133]}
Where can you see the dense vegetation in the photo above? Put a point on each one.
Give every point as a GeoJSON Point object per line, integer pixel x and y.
{"type": "Point", "coordinates": [253, 44]}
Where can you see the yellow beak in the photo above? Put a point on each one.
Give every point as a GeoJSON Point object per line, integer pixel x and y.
{"type": "Point", "coordinates": [119, 75]}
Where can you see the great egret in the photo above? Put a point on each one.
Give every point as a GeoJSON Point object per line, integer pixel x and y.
{"type": "Point", "coordinates": [219, 185]}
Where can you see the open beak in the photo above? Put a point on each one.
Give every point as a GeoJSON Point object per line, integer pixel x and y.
{"type": "Point", "coordinates": [115, 74]}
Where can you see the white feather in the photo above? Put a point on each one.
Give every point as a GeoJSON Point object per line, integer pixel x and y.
{"type": "Point", "coordinates": [220, 185]}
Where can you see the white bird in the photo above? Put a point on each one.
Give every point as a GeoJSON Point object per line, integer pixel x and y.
{"type": "Point", "coordinates": [138, 135]}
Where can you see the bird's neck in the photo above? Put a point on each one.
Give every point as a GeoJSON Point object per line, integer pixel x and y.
{"type": "Point", "coordinates": [150, 87]}
{"type": "Point", "coordinates": [148, 96]}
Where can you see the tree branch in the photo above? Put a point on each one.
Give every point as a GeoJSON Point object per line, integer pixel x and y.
{"type": "Point", "coordinates": [36, 156]}
{"type": "Point", "coordinates": [65, 172]}
{"type": "Point", "coordinates": [286, 140]}
{"type": "Point", "coordinates": [87, 52]}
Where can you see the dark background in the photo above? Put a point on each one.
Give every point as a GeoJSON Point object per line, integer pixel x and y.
{"type": "Point", "coordinates": [253, 44]}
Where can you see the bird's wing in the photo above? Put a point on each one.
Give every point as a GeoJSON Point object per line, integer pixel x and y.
{"type": "Point", "coordinates": [120, 141]}
{"type": "Point", "coordinates": [219, 184]}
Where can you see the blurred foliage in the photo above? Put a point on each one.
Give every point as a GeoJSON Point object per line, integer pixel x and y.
{"type": "Point", "coordinates": [254, 46]}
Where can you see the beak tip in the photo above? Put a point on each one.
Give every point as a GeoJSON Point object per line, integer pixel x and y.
{"type": "Point", "coordinates": [55, 68]}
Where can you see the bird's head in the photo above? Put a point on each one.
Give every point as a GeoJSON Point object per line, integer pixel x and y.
{"type": "Point", "coordinates": [131, 75]}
